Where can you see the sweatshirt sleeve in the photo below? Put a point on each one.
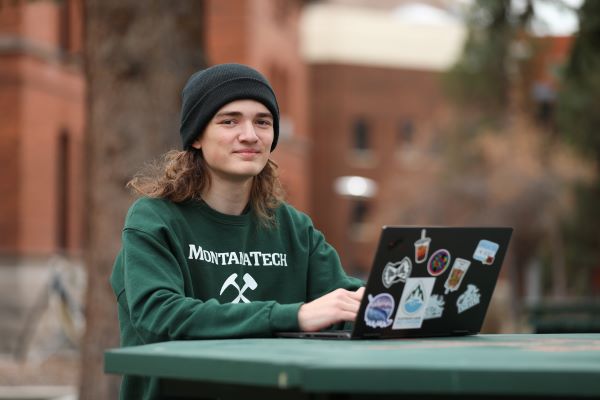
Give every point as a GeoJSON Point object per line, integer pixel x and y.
{"type": "Point", "coordinates": [154, 295]}
{"type": "Point", "coordinates": [325, 270]}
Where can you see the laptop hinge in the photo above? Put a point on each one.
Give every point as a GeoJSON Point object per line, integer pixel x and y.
{"type": "Point", "coordinates": [460, 332]}
{"type": "Point", "coordinates": [371, 335]}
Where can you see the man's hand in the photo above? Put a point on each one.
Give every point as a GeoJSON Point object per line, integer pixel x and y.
{"type": "Point", "coordinates": [337, 306]}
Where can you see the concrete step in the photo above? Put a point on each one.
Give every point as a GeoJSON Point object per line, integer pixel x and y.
{"type": "Point", "coordinates": [38, 393]}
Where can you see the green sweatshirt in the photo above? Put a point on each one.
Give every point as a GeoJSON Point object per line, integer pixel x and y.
{"type": "Point", "coordinates": [186, 271]}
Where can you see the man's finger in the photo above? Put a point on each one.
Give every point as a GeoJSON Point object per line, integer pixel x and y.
{"type": "Point", "coordinates": [358, 294]}
{"type": "Point", "coordinates": [351, 305]}
{"type": "Point", "coordinates": [348, 316]}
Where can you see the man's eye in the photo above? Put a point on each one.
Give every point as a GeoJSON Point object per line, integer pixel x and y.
{"type": "Point", "coordinates": [227, 122]}
{"type": "Point", "coordinates": [264, 122]}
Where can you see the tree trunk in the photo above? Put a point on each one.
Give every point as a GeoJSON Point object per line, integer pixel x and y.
{"type": "Point", "coordinates": [138, 56]}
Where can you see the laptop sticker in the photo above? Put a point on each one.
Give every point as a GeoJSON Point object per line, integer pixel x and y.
{"type": "Point", "coordinates": [457, 273]}
{"type": "Point", "coordinates": [413, 302]}
{"type": "Point", "coordinates": [396, 272]}
{"type": "Point", "coordinates": [422, 248]}
{"type": "Point", "coordinates": [486, 252]}
{"type": "Point", "coordinates": [438, 262]}
{"type": "Point", "coordinates": [470, 298]}
{"type": "Point", "coordinates": [379, 310]}
{"type": "Point", "coordinates": [435, 307]}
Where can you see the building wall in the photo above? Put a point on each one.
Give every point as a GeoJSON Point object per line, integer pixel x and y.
{"type": "Point", "coordinates": [265, 35]}
{"type": "Point", "coordinates": [386, 99]}
{"type": "Point", "coordinates": [42, 101]}
{"type": "Point", "coordinates": [42, 97]}
{"type": "Point", "coordinates": [53, 105]}
{"type": "Point", "coordinates": [10, 119]}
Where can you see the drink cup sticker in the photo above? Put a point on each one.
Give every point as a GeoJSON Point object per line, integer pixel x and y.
{"type": "Point", "coordinates": [422, 248]}
{"type": "Point", "coordinates": [470, 298]}
{"type": "Point", "coordinates": [486, 252]}
{"type": "Point", "coordinates": [457, 273]}
{"type": "Point", "coordinates": [379, 310]}
{"type": "Point", "coordinates": [413, 303]}
{"type": "Point", "coordinates": [438, 262]}
{"type": "Point", "coordinates": [435, 307]}
{"type": "Point", "coordinates": [396, 272]}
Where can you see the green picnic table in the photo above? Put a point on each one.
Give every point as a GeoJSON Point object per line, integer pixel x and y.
{"type": "Point", "coordinates": [491, 366]}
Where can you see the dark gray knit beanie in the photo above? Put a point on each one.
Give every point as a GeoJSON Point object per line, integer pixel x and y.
{"type": "Point", "coordinates": [210, 89]}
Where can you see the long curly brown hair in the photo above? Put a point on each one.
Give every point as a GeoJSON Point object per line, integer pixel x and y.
{"type": "Point", "coordinates": [183, 175]}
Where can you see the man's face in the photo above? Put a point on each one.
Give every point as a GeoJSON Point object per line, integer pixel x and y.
{"type": "Point", "coordinates": [236, 143]}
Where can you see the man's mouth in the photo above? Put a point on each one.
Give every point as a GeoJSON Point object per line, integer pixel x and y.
{"type": "Point", "coordinates": [247, 151]}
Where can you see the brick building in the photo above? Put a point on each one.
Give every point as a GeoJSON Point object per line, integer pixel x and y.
{"type": "Point", "coordinates": [42, 99]}
{"type": "Point", "coordinates": [42, 92]}
{"type": "Point", "coordinates": [376, 108]}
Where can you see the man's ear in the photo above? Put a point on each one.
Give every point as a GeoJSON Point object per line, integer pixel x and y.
{"type": "Point", "coordinates": [197, 144]}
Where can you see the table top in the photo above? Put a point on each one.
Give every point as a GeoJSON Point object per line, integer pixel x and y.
{"type": "Point", "coordinates": [566, 364]}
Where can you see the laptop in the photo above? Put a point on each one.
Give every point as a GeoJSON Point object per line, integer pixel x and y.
{"type": "Point", "coordinates": [427, 282]}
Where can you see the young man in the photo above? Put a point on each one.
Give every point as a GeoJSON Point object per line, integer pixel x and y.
{"type": "Point", "coordinates": [211, 250]}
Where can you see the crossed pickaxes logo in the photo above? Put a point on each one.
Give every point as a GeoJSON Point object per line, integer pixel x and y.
{"type": "Point", "coordinates": [249, 283]}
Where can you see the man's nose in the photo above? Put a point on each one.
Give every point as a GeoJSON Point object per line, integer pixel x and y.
{"type": "Point", "coordinates": [248, 132]}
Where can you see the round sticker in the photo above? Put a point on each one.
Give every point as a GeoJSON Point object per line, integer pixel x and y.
{"type": "Point", "coordinates": [438, 262]}
{"type": "Point", "coordinates": [379, 311]}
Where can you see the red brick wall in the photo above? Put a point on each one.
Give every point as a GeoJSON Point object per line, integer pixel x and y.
{"type": "Point", "coordinates": [10, 121]}
{"type": "Point", "coordinates": [11, 18]}
{"type": "Point", "coordinates": [40, 23]}
{"type": "Point", "coordinates": [226, 26]}
{"type": "Point", "coordinates": [53, 102]}
{"type": "Point", "coordinates": [42, 93]}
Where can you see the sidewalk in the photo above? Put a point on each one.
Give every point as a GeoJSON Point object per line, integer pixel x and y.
{"type": "Point", "coordinates": [38, 393]}
{"type": "Point", "coordinates": [52, 378]}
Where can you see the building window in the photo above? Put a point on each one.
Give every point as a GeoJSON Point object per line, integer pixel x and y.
{"type": "Point", "coordinates": [360, 132]}
{"type": "Point", "coordinates": [406, 132]}
{"type": "Point", "coordinates": [544, 98]}
{"type": "Point", "coordinates": [359, 212]}
{"type": "Point", "coordinates": [62, 190]}
{"type": "Point", "coordinates": [64, 26]}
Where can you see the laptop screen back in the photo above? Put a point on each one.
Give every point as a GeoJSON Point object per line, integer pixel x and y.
{"type": "Point", "coordinates": [432, 281]}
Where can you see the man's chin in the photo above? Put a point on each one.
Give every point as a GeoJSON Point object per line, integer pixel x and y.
{"type": "Point", "coordinates": [245, 173]}
{"type": "Point", "coordinates": [239, 172]}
